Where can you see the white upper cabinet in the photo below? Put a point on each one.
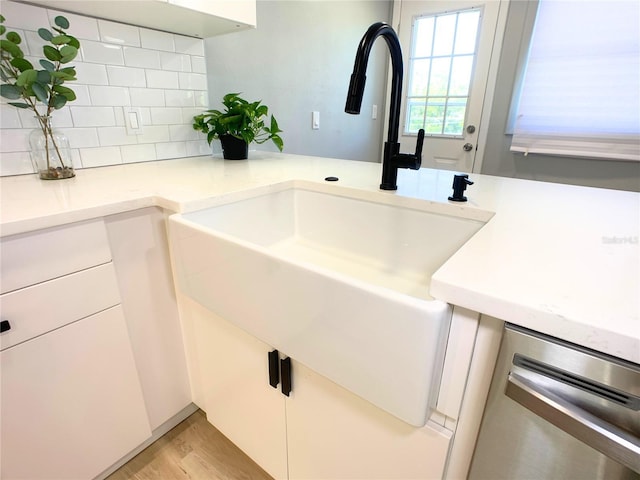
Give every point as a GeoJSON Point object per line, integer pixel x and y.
{"type": "Point", "coordinates": [195, 18]}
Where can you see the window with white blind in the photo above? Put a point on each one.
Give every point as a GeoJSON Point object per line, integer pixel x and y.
{"type": "Point", "coordinates": [580, 94]}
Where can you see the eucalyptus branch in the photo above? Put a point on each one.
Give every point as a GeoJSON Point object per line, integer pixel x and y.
{"type": "Point", "coordinates": [22, 81]}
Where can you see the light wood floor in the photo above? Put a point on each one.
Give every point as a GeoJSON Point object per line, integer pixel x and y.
{"type": "Point", "coordinates": [193, 450]}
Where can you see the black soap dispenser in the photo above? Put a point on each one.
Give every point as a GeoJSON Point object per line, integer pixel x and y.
{"type": "Point", "coordinates": [460, 182]}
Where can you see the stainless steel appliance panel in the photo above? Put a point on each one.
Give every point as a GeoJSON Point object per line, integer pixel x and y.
{"type": "Point", "coordinates": [558, 411]}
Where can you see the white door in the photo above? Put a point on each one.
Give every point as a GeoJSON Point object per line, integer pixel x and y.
{"type": "Point", "coordinates": [447, 48]}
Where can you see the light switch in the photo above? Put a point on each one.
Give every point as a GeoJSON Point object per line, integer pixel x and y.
{"type": "Point", "coordinates": [133, 120]}
{"type": "Point", "coordinates": [315, 120]}
{"type": "Point", "coordinates": [374, 112]}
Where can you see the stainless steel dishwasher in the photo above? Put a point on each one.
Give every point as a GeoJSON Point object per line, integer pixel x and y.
{"type": "Point", "coordinates": [558, 411]}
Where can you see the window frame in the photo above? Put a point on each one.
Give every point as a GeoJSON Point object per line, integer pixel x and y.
{"type": "Point", "coordinates": [446, 97]}
{"type": "Point", "coordinates": [604, 145]}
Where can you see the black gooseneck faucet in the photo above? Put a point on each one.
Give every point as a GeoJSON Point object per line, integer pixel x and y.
{"type": "Point", "coordinates": [392, 159]}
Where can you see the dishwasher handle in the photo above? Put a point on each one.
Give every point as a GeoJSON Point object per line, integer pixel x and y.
{"type": "Point", "coordinates": [608, 439]}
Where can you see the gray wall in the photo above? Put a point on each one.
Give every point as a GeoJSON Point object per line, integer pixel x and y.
{"type": "Point", "coordinates": [498, 160]}
{"type": "Point", "coordinates": [299, 59]}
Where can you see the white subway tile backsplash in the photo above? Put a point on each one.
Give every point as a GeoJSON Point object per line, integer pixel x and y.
{"type": "Point", "coordinates": [31, 46]}
{"type": "Point", "coordinates": [155, 40]}
{"type": "Point", "coordinates": [147, 97]}
{"type": "Point", "coordinates": [82, 94]}
{"type": "Point", "coordinates": [162, 79]}
{"type": "Point", "coordinates": [119, 67]}
{"type": "Point", "coordinates": [82, 137]}
{"type": "Point", "coordinates": [118, 113]}
{"type": "Point", "coordinates": [138, 153]}
{"type": "Point", "coordinates": [81, 27]}
{"type": "Point", "coordinates": [197, 148]}
{"type": "Point", "coordinates": [93, 117]}
{"type": "Point", "coordinates": [198, 65]}
{"type": "Point", "coordinates": [126, 76]}
{"type": "Point", "coordinates": [76, 161]}
{"type": "Point", "coordinates": [109, 96]}
{"type": "Point", "coordinates": [27, 118]}
{"type": "Point", "coordinates": [201, 99]}
{"type": "Point", "coordinates": [188, 113]}
{"type": "Point", "coordinates": [192, 81]}
{"type": "Point", "coordinates": [17, 163]}
{"type": "Point", "coordinates": [27, 17]}
{"type": "Point", "coordinates": [141, 57]}
{"type": "Point", "coordinates": [154, 134]}
{"type": "Point", "coordinates": [175, 62]}
{"type": "Point", "coordinates": [100, 156]}
{"type": "Point", "coordinates": [91, 73]}
{"type": "Point", "coordinates": [115, 136]}
{"type": "Point", "coordinates": [119, 33]}
{"type": "Point", "coordinates": [166, 116]}
{"type": "Point", "coordinates": [61, 118]}
{"type": "Point", "coordinates": [145, 115]}
{"type": "Point", "coordinates": [9, 117]}
{"type": "Point", "coordinates": [165, 151]}
{"type": "Point", "coordinates": [15, 140]}
{"type": "Point", "coordinates": [181, 133]}
{"type": "Point", "coordinates": [103, 53]}
{"type": "Point", "coordinates": [179, 98]}
{"type": "Point", "coordinates": [189, 45]}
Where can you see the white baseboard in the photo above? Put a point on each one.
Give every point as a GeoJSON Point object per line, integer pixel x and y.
{"type": "Point", "coordinates": [156, 434]}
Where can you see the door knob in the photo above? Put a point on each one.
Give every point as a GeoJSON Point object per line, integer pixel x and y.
{"type": "Point", "coordinates": [467, 147]}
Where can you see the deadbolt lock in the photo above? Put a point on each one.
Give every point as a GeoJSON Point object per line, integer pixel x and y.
{"type": "Point", "coordinates": [471, 128]}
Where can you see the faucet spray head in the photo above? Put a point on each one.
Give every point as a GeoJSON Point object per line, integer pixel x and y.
{"type": "Point", "coordinates": [355, 93]}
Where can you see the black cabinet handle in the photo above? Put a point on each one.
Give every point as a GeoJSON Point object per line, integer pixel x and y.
{"type": "Point", "coordinates": [274, 371]}
{"type": "Point", "coordinates": [285, 371]}
{"type": "Point", "coordinates": [5, 326]}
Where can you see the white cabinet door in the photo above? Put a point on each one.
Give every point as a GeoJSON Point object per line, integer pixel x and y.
{"type": "Point", "coordinates": [71, 402]}
{"type": "Point", "coordinates": [141, 261]}
{"type": "Point", "coordinates": [237, 10]}
{"type": "Point", "coordinates": [230, 376]}
{"type": "Point", "coordinates": [333, 434]}
{"type": "Point", "coordinates": [321, 431]}
{"type": "Point", "coordinates": [196, 18]}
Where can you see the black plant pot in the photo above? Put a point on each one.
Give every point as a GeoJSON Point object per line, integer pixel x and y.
{"type": "Point", "coordinates": [234, 148]}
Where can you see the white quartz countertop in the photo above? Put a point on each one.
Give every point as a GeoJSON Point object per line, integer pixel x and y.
{"type": "Point", "coordinates": [562, 260]}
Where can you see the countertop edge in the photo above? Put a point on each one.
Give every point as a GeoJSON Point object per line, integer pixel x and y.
{"type": "Point", "coordinates": [521, 208]}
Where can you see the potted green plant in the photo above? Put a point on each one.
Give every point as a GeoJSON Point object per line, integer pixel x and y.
{"type": "Point", "coordinates": [43, 91]}
{"type": "Point", "coordinates": [240, 123]}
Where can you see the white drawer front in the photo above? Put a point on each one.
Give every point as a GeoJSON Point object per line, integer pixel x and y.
{"type": "Point", "coordinates": [38, 309]}
{"type": "Point", "coordinates": [34, 257]}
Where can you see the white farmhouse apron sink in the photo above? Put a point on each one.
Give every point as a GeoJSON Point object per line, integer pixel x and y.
{"type": "Point", "coordinates": [335, 278]}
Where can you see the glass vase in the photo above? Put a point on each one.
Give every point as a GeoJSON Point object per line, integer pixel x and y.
{"type": "Point", "coordinates": [50, 151]}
